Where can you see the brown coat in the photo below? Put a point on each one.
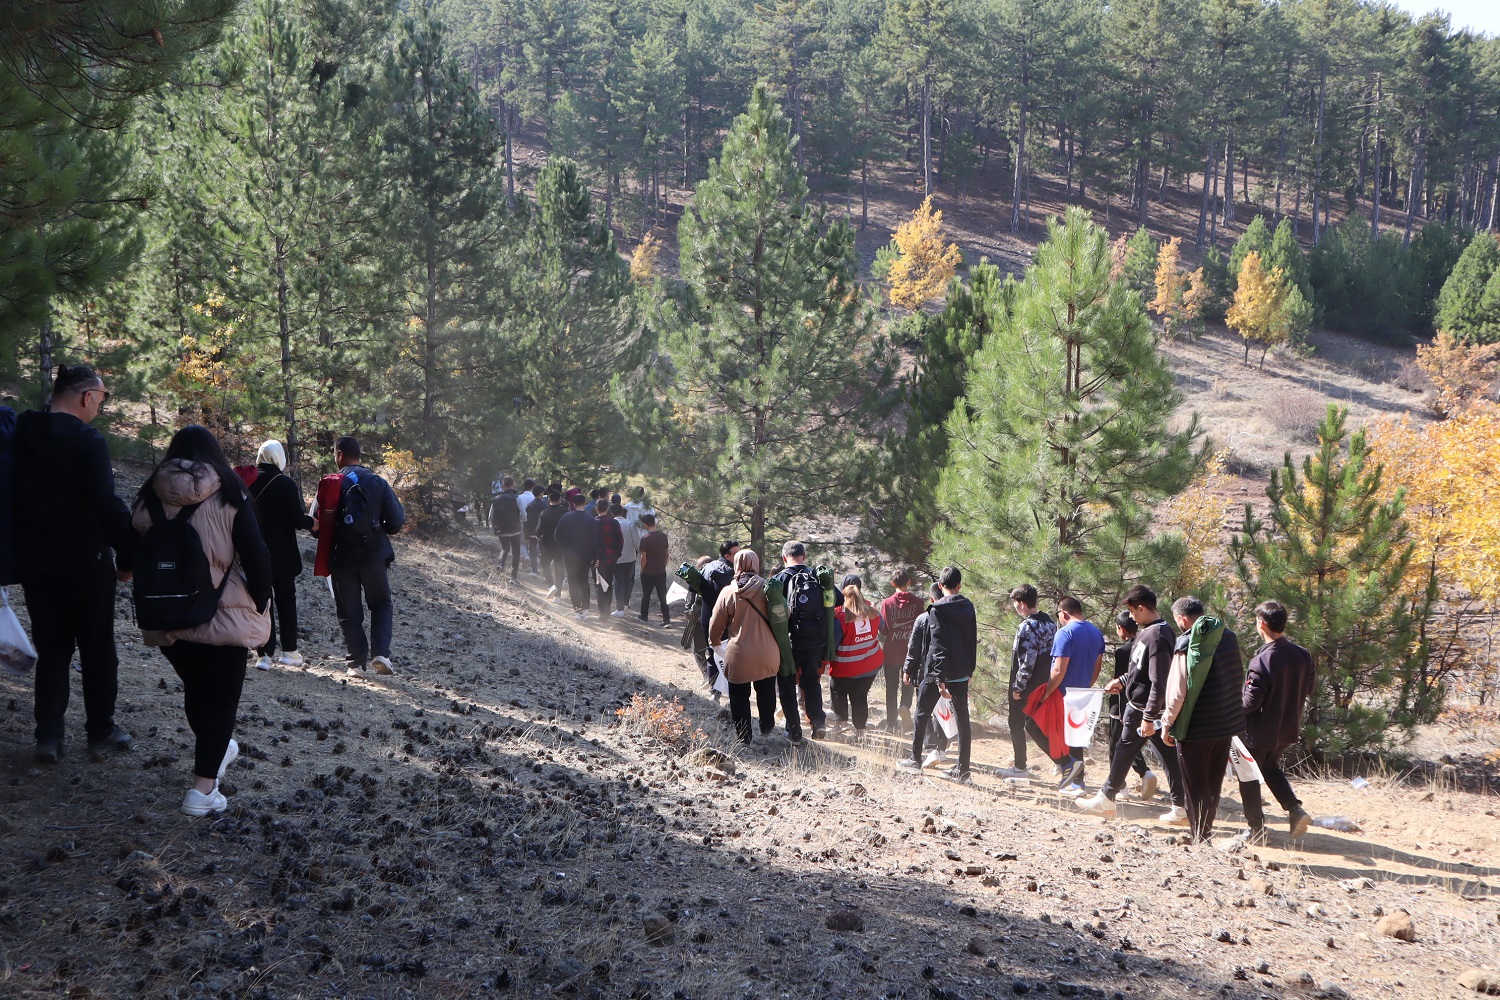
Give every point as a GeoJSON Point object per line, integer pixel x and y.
{"type": "Point", "coordinates": [178, 484]}
{"type": "Point", "coordinates": [753, 654]}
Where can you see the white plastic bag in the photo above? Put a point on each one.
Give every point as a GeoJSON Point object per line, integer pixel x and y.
{"type": "Point", "coordinates": [1243, 762]}
{"type": "Point", "coordinates": [943, 711]}
{"type": "Point", "coordinates": [721, 679]}
{"type": "Point", "coordinates": [17, 654]}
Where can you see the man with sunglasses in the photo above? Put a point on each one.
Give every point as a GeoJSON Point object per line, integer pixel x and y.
{"type": "Point", "coordinates": [73, 541]}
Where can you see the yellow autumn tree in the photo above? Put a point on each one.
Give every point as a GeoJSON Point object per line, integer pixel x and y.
{"type": "Point", "coordinates": [1461, 372]}
{"type": "Point", "coordinates": [643, 259]}
{"type": "Point", "coordinates": [1198, 514]}
{"type": "Point", "coordinates": [1259, 311]}
{"type": "Point", "coordinates": [1450, 473]}
{"type": "Point", "coordinates": [1176, 303]}
{"type": "Point", "coordinates": [925, 261]}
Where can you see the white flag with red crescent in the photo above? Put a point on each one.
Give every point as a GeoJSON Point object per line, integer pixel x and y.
{"type": "Point", "coordinates": [1081, 707]}
{"type": "Point", "coordinates": [1243, 761]}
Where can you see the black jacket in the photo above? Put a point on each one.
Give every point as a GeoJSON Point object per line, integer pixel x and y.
{"type": "Point", "coordinates": [1150, 665]}
{"type": "Point", "coordinates": [1218, 713]}
{"type": "Point", "coordinates": [505, 513]}
{"type": "Point", "coordinates": [66, 513]}
{"type": "Point", "coordinates": [1277, 686]}
{"type": "Point", "coordinates": [7, 486]}
{"type": "Point", "coordinates": [534, 516]}
{"type": "Point", "coordinates": [577, 535]}
{"type": "Point", "coordinates": [718, 575]}
{"type": "Point", "coordinates": [385, 510]}
{"type": "Point", "coordinates": [546, 525]}
{"type": "Point", "coordinates": [952, 640]}
{"type": "Point", "coordinates": [280, 512]}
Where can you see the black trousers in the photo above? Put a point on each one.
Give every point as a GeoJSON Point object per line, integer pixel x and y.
{"type": "Point", "coordinates": [212, 679]}
{"type": "Point", "coordinates": [510, 548]}
{"type": "Point", "coordinates": [354, 589]}
{"type": "Point", "coordinates": [927, 697]}
{"type": "Point", "coordinates": [767, 691]}
{"type": "Point", "coordinates": [809, 678]}
{"type": "Point", "coordinates": [68, 613]}
{"type": "Point", "coordinates": [602, 593]}
{"type": "Point", "coordinates": [624, 585]}
{"type": "Point", "coordinates": [1021, 726]}
{"type": "Point", "coordinates": [851, 698]}
{"type": "Point", "coordinates": [579, 581]}
{"type": "Point", "coordinates": [1203, 763]}
{"type": "Point", "coordinates": [283, 615]}
{"type": "Point", "coordinates": [898, 694]}
{"type": "Point", "coordinates": [1276, 780]}
{"type": "Point", "coordinates": [657, 583]}
{"type": "Point", "coordinates": [1125, 753]}
{"type": "Point", "coordinates": [1116, 730]}
{"type": "Point", "coordinates": [551, 566]}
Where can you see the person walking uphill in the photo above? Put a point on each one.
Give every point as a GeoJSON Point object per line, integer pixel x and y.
{"type": "Point", "coordinates": [752, 658]}
{"type": "Point", "coordinates": [1278, 683]}
{"type": "Point", "coordinates": [73, 541]}
{"type": "Point", "coordinates": [194, 481]}
{"type": "Point", "coordinates": [1203, 709]}
{"type": "Point", "coordinates": [506, 517]}
{"type": "Point", "coordinates": [280, 513]}
{"type": "Point", "coordinates": [611, 541]}
{"type": "Point", "coordinates": [941, 662]}
{"type": "Point", "coordinates": [809, 630]}
{"type": "Point", "coordinates": [1030, 659]}
{"type": "Point", "coordinates": [1077, 657]}
{"type": "Point", "coordinates": [577, 539]}
{"type": "Point", "coordinates": [369, 514]}
{"type": "Point", "coordinates": [898, 613]}
{"type": "Point", "coordinates": [857, 660]}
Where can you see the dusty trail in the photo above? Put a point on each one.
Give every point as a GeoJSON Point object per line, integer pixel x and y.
{"type": "Point", "coordinates": [483, 822]}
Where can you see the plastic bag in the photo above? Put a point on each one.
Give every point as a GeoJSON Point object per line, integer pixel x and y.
{"type": "Point", "coordinates": [721, 680]}
{"type": "Point", "coordinates": [943, 711]}
{"type": "Point", "coordinates": [17, 654]}
{"type": "Point", "coordinates": [1343, 824]}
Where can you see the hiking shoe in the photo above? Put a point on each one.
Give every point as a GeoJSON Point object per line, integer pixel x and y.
{"type": "Point", "coordinates": [1175, 816]}
{"type": "Point", "coordinates": [262, 663]}
{"type": "Point", "coordinates": [1070, 773]}
{"type": "Point", "coordinates": [382, 665]}
{"type": "Point", "coordinates": [230, 754]}
{"type": "Point", "coordinates": [552, 592]}
{"type": "Point", "coordinates": [617, 614]}
{"type": "Point", "coordinates": [795, 739]}
{"type": "Point", "coordinates": [1098, 804]}
{"type": "Point", "coordinates": [820, 734]}
{"type": "Point", "coordinates": [934, 758]}
{"type": "Point", "coordinates": [666, 624]}
{"type": "Point", "coordinates": [1299, 820]}
{"type": "Point", "coordinates": [907, 764]}
{"type": "Point", "coordinates": [118, 739]}
{"type": "Point", "coordinates": [1013, 772]}
{"type": "Point", "coordinates": [1072, 791]}
{"type": "Point", "coordinates": [290, 658]}
{"type": "Point", "coordinates": [196, 803]}
{"type": "Point", "coordinates": [1149, 785]}
{"type": "Point", "coordinates": [962, 777]}
{"type": "Point", "coordinates": [356, 670]}
{"type": "Point", "coordinates": [49, 749]}
{"type": "Point", "coordinates": [643, 619]}
{"type": "Point", "coordinates": [1253, 837]}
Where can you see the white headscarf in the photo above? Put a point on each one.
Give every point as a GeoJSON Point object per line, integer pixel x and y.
{"type": "Point", "coordinates": [271, 453]}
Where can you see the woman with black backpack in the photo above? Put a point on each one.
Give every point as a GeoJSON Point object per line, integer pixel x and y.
{"type": "Point", "coordinates": [202, 587]}
{"type": "Point", "coordinates": [281, 513]}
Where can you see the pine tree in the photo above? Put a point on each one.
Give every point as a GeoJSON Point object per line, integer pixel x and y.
{"type": "Point", "coordinates": [1060, 448]}
{"type": "Point", "coordinates": [1216, 291]}
{"type": "Point", "coordinates": [1285, 255]}
{"type": "Point", "coordinates": [972, 312]}
{"type": "Point", "coordinates": [571, 326]}
{"type": "Point", "coordinates": [917, 41]}
{"type": "Point", "coordinates": [925, 261]}
{"type": "Point", "coordinates": [1259, 312]}
{"type": "Point", "coordinates": [1255, 239]}
{"type": "Point", "coordinates": [770, 365]}
{"type": "Point", "coordinates": [1337, 554]}
{"type": "Point", "coordinates": [1461, 305]}
{"type": "Point", "coordinates": [1139, 265]}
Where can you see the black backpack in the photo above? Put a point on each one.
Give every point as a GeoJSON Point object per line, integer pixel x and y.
{"type": "Point", "coordinates": [174, 587]}
{"type": "Point", "coordinates": [354, 527]}
{"type": "Point", "coordinates": [804, 601]}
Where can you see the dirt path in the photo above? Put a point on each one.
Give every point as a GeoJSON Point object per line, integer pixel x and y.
{"type": "Point", "coordinates": [482, 822]}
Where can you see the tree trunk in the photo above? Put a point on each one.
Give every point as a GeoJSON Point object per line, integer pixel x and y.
{"type": "Point", "coordinates": [1414, 185]}
{"type": "Point", "coordinates": [1228, 176]}
{"type": "Point", "coordinates": [1317, 186]}
{"type": "Point", "coordinates": [1378, 179]}
{"type": "Point", "coordinates": [44, 349]}
{"type": "Point", "coordinates": [1203, 204]}
{"type": "Point", "coordinates": [864, 194]}
{"type": "Point", "coordinates": [1020, 165]}
{"type": "Point", "coordinates": [927, 135]}
{"type": "Point", "coordinates": [284, 332]}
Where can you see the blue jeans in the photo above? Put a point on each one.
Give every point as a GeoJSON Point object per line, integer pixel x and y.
{"type": "Point", "coordinates": [353, 588]}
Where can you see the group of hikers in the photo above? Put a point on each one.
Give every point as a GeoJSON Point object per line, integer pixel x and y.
{"type": "Point", "coordinates": [1182, 691]}
{"type": "Point", "coordinates": [213, 555]}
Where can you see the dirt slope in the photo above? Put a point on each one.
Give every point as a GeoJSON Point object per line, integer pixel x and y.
{"type": "Point", "coordinates": [483, 823]}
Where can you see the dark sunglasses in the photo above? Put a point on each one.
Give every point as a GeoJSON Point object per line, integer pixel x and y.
{"type": "Point", "coordinates": [102, 392]}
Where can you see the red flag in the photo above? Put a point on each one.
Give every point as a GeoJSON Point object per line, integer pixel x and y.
{"type": "Point", "coordinates": [1048, 713]}
{"type": "Point", "coordinates": [327, 506]}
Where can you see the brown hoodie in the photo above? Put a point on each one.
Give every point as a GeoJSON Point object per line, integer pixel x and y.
{"type": "Point", "coordinates": [180, 483]}
{"type": "Point", "coordinates": [753, 654]}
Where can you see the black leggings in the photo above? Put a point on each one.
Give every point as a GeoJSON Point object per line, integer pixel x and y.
{"type": "Point", "coordinates": [212, 678]}
{"type": "Point", "coordinates": [283, 616]}
{"type": "Point", "coordinates": [851, 698]}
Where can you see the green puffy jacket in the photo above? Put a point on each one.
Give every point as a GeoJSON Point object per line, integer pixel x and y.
{"type": "Point", "coordinates": [835, 633]}
{"type": "Point", "coordinates": [1203, 640]}
{"type": "Point", "coordinates": [781, 620]}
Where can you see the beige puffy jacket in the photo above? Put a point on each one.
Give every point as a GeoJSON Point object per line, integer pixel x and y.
{"type": "Point", "coordinates": [180, 483]}
{"type": "Point", "coordinates": [753, 654]}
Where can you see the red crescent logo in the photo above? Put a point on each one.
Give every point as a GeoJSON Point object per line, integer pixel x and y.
{"type": "Point", "coordinates": [1078, 723]}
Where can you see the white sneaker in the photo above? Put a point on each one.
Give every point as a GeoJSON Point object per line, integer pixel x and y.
{"type": "Point", "coordinates": [934, 758]}
{"type": "Point", "coordinates": [617, 614]}
{"type": "Point", "coordinates": [1149, 785]}
{"type": "Point", "coordinates": [1013, 772]}
{"type": "Point", "coordinates": [197, 803]}
{"type": "Point", "coordinates": [1098, 804]}
{"type": "Point", "coordinates": [908, 764]}
{"type": "Point", "coordinates": [355, 670]}
{"type": "Point", "coordinates": [1175, 816]}
{"type": "Point", "coordinates": [552, 592]}
{"type": "Point", "coordinates": [263, 663]}
{"type": "Point", "coordinates": [290, 659]}
{"type": "Point", "coordinates": [382, 665]}
{"type": "Point", "coordinates": [229, 757]}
